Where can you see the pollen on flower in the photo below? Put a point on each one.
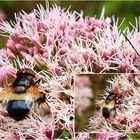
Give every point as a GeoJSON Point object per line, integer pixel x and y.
{"type": "Point", "coordinates": [7, 70]}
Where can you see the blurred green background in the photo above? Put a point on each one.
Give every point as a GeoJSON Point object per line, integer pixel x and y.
{"type": "Point", "coordinates": [128, 9]}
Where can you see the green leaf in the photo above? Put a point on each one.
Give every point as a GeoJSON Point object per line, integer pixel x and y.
{"type": "Point", "coordinates": [65, 134]}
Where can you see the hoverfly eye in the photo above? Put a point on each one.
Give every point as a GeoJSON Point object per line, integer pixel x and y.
{"type": "Point", "coordinates": [110, 97]}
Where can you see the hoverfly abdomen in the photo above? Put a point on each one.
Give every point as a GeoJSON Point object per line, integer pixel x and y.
{"type": "Point", "coordinates": [106, 112]}
{"type": "Point", "coordinates": [18, 109]}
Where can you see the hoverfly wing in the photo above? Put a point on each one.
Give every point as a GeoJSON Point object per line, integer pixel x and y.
{"type": "Point", "coordinates": [38, 99]}
{"type": "Point", "coordinates": [33, 93]}
{"type": "Point", "coordinates": [5, 95]}
{"type": "Point", "coordinates": [42, 108]}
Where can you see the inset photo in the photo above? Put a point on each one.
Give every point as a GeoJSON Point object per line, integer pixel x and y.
{"type": "Point", "coordinates": [107, 103]}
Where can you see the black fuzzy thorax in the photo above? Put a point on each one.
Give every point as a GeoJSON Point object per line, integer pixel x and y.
{"type": "Point", "coordinates": [22, 80]}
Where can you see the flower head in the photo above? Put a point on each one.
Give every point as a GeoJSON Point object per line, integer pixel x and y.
{"type": "Point", "coordinates": [58, 35]}
{"type": "Point", "coordinates": [83, 92]}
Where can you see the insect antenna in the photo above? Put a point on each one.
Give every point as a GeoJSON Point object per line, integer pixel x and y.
{"type": "Point", "coordinates": [130, 44]}
{"type": "Point", "coordinates": [37, 81]}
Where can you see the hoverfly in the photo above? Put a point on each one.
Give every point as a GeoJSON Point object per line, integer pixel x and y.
{"type": "Point", "coordinates": [109, 105]}
{"type": "Point", "coordinates": [23, 94]}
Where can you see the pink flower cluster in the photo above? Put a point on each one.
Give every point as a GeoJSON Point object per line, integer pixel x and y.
{"type": "Point", "coordinates": [83, 92]}
{"type": "Point", "coordinates": [53, 37]}
{"type": "Point", "coordinates": [32, 128]}
{"type": "Point", "coordinates": [82, 136]}
{"type": "Point", "coordinates": [109, 135]}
